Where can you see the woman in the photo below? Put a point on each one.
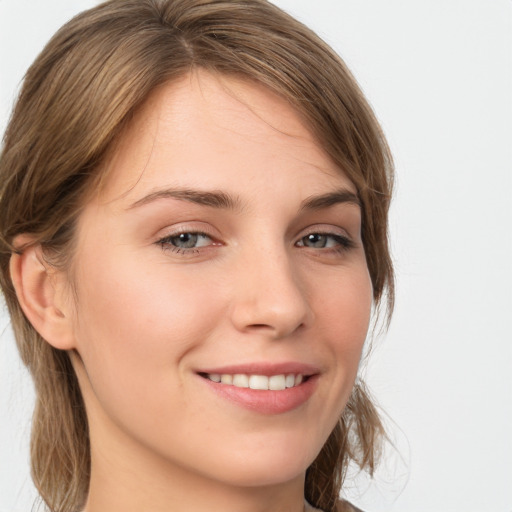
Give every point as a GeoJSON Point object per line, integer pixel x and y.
{"type": "Point", "coordinates": [194, 233]}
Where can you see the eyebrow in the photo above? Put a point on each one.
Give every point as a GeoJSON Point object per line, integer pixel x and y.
{"type": "Point", "coordinates": [222, 200]}
{"type": "Point", "coordinates": [330, 199]}
{"type": "Point", "coordinates": [214, 199]}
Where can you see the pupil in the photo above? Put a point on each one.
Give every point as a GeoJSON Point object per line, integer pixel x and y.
{"type": "Point", "coordinates": [186, 240]}
{"type": "Point", "coordinates": [317, 240]}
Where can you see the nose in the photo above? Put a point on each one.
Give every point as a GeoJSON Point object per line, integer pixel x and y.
{"type": "Point", "coordinates": [270, 296]}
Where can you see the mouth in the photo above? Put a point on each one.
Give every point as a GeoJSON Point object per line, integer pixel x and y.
{"type": "Point", "coordinates": [258, 382]}
{"type": "Point", "coordinates": [262, 388]}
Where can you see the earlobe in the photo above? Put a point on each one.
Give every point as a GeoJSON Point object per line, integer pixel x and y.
{"type": "Point", "coordinates": [39, 289]}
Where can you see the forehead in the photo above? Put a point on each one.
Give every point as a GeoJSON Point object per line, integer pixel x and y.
{"type": "Point", "coordinates": [207, 131]}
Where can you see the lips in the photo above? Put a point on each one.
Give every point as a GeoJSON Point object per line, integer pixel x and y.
{"type": "Point", "coordinates": [267, 389]}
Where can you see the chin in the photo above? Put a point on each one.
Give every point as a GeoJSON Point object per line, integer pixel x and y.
{"type": "Point", "coordinates": [263, 475]}
{"type": "Point", "coordinates": [266, 465]}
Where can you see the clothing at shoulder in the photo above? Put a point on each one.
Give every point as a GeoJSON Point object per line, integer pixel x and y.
{"type": "Point", "coordinates": [345, 506]}
{"type": "Point", "coordinates": [341, 506]}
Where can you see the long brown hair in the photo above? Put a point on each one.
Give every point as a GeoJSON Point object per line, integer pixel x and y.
{"type": "Point", "coordinates": [77, 97]}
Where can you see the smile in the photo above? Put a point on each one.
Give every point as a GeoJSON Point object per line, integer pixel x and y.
{"type": "Point", "coordinates": [258, 382]}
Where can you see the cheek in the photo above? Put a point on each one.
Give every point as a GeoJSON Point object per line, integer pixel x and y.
{"type": "Point", "coordinates": [345, 309]}
{"type": "Point", "coordinates": [343, 317]}
{"type": "Point", "coordinates": [138, 321]}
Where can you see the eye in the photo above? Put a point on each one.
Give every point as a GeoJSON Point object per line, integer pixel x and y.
{"type": "Point", "coordinates": [325, 241]}
{"type": "Point", "coordinates": [184, 241]}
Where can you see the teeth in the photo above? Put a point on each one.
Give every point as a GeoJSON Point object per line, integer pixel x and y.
{"type": "Point", "coordinates": [258, 382]}
{"type": "Point", "coordinates": [240, 380]}
{"type": "Point", "coordinates": [226, 379]}
{"type": "Point", "coordinates": [277, 382]}
{"type": "Point", "coordinates": [261, 382]}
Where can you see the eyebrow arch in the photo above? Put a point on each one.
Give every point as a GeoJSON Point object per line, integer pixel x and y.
{"type": "Point", "coordinates": [330, 199]}
{"type": "Point", "coordinates": [215, 199]}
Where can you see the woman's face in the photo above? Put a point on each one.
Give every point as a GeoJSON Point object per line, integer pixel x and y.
{"type": "Point", "coordinates": [225, 244]}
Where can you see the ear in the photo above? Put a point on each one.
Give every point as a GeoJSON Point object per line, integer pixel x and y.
{"type": "Point", "coordinates": [41, 291]}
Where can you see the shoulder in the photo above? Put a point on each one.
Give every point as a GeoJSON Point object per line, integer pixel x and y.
{"type": "Point", "coordinates": [345, 506]}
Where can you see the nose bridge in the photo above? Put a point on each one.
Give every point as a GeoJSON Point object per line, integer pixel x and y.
{"type": "Point", "coordinates": [270, 295]}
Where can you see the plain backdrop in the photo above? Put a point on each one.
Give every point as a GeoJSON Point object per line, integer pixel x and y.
{"type": "Point", "coordinates": [439, 76]}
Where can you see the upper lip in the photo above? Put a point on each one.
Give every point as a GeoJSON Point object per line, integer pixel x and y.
{"type": "Point", "coordinates": [268, 369]}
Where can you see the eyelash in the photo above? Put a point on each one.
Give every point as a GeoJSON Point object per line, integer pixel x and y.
{"type": "Point", "coordinates": [343, 243]}
{"type": "Point", "coordinates": [167, 245]}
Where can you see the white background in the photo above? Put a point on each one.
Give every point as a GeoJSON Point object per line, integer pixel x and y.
{"type": "Point", "coordinates": [439, 75]}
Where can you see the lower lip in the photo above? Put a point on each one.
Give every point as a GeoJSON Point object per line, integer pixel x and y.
{"type": "Point", "coordinates": [265, 401]}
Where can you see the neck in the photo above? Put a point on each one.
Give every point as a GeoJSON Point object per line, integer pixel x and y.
{"type": "Point", "coordinates": [128, 478]}
{"type": "Point", "coordinates": [132, 493]}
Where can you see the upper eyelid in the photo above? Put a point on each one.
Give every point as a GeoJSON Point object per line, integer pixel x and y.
{"type": "Point", "coordinates": [187, 227]}
{"type": "Point", "coordinates": [324, 229]}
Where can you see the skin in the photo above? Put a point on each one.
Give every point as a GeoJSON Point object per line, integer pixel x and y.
{"type": "Point", "coordinates": [145, 315]}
